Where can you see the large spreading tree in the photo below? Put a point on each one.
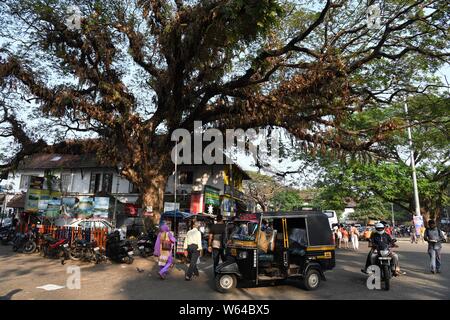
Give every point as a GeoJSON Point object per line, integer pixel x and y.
{"type": "Point", "coordinates": [387, 178]}
{"type": "Point", "coordinates": [137, 70]}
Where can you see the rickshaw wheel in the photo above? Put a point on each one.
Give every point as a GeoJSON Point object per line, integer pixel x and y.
{"type": "Point", "coordinates": [311, 280]}
{"type": "Point", "coordinates": [225, 282]}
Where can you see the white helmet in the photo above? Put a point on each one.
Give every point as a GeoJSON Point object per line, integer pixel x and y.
{"type": "Point", "coordinates": [379, 227]}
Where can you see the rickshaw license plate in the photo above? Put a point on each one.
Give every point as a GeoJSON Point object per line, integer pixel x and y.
{"type": "Point", "coordinates": [327, 254]}
{"type": "Point", "coordinates": [233, 252]}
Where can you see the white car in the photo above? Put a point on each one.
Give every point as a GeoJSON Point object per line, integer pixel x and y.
{"type": "Point", "coordinates": [92, 224]}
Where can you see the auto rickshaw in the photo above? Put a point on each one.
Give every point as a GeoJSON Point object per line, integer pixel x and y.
{"type": "Point", "coordinates": [275, 247]}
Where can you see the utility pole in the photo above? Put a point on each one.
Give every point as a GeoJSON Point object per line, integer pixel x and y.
{"type": "Point", "coordinates": [232, 190]}
{"type": "Point", "coordinates": [413, 164]}
{"type": "Point", "coordinates": [393, 218]}
{"type": "Point", "coordinates": [175, 197]}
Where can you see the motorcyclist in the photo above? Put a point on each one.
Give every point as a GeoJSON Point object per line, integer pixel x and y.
{"type": "Point", "coordinates": [382, 238]}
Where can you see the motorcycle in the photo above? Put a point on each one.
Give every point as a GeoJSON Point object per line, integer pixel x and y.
{"type": "Point", "coordinates": [7, 234]}
{"type": "Point", "coordinates": [54, 248]}
{"type": "Point", "coordinates": [25, 242]}
{"type": "Point", "coordinates": [85, 251]}
{"type": "Point", "coordinates": [118, 250]}
{"type": "Point", "coordinates": [146, 244]}
{"type": "Point", "coordinates": [383, 260]}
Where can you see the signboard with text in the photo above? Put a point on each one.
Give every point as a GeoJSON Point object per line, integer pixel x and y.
{"type": "Point", "coordinates": [212, 196]}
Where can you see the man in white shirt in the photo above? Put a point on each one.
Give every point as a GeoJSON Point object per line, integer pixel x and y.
{"type": "Point", "coordinates": [192, 248]}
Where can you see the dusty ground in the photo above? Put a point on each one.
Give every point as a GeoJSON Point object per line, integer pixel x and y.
{"type": "Point", "coordinates": [21, 275]}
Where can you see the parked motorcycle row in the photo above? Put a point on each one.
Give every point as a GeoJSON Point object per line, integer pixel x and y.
{"type": "Point", "coordinates": [117, 250]}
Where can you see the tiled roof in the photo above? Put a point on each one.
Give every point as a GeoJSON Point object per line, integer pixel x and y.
{"type": "Point", "coordinates": [18, 201]}
{"type": "Point", "coordinates": [57, 161]}
{"type": "Point", "coordinates": [71, 161]}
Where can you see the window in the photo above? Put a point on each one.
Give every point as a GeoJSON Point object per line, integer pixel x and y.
{"type": "Point", "coordinates": [66, 179]}
{"type": "Point", "coordinates": [83, 224]}
{"type": "Point", "coordinates": [186, 177]}
{"type": "Point", "coordinates": [24, 181]}
{"type": "Point", "coordinates": [94, 185]}
{"type": "Point", "coordinates": [107, 182]}
{"type": "Point", "coordinates": [132, 188]}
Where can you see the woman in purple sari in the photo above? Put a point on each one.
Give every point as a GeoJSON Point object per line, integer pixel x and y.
{"type": "Point", "coordinates": [163, 250]}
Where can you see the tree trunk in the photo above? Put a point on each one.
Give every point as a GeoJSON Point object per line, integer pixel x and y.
{"type": "Point", "coordinates": [152, 195]}
{"type": "Point", "coordinates": [150, 177]}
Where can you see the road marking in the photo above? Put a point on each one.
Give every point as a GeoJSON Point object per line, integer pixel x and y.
{"type": "Point", "coordinates": [50, 287]}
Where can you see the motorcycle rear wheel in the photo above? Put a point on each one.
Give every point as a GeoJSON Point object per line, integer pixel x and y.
{"type": "Point", "coordinates": [29, 247]}
{"type": "Point", "coordinates": [76, 254]}
{"type": "Point", "coordinates": [129, 260]}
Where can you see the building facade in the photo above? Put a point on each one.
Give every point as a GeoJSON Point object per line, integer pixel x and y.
{"type": "Point", "coordinates": [199, 188]}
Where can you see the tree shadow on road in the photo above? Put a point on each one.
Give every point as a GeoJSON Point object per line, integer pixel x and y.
{"type": "Point", "coordinates": [9, 295]}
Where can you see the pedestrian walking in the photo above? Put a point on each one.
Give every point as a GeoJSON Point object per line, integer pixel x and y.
{"type": "Point", "coordinates": [413, 234]}
{"type": "Point", "coordinates": [192, 248]}
{"type": "Point", "coordinates": [339, 236]}
{"type": "Point", "coordinates": [354, 236]}
{"type": "Point", "coordinates": [216, 241]}
{"type": "Point", "coordinates": [163, 250]}
{"type": "Point", "coordinates": [434, 236]}
{"type": "Point", "coordinates": [345, 237]}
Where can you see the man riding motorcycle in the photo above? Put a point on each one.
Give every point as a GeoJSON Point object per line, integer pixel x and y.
{"type": "Point", "coordinates": [378, 238]}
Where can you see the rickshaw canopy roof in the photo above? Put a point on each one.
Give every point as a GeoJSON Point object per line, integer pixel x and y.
{"type": "Point", "coordinates": [318, 227]}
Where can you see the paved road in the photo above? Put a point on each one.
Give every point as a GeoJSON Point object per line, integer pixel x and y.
{"type": "Point", "coordinates": [21, 274]}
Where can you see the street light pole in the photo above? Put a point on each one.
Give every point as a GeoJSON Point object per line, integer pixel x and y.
{"type": "Point", "coordinates": [175, 188]}
{"type": "Point", "coordinates": [413, 165]}
{"type": "Point", "coordinates": [392, 211]}
{"type": "Point", "coordinates": [175, 197]}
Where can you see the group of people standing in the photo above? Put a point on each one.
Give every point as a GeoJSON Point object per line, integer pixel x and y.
{"type": "Point", "coordinates": [344, 236]}
{"type": "Point", "coordinates": [193, 247]}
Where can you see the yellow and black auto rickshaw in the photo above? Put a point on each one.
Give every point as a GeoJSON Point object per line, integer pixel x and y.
{"type": "Point", "coordinates": [277, 246]}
